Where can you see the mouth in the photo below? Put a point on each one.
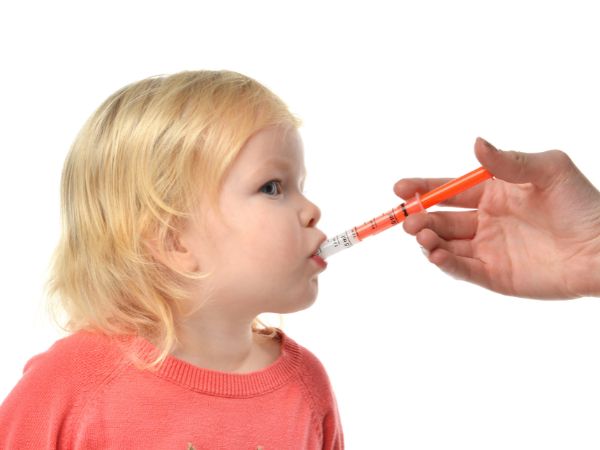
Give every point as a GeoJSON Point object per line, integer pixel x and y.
{"type": "Point", "coordinates": [319, 261]}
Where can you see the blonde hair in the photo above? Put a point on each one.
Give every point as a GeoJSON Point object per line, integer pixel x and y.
{"type": "Point", "coordinates": [134, 173]}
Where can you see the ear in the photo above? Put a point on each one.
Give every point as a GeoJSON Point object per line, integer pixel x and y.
{"type": "Point", "coordinates": [173, 253]}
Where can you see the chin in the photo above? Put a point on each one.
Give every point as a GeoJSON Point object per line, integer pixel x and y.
{"type": "Point", "coordinates": [297, 306]}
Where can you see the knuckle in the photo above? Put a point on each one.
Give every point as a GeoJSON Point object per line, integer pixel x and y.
{"type": "Point", "coordinates": [559, 163]}
{"type": "Point", "coordinates": [560, 158]}
{"type": "Point", "coordinates": [521, 160]}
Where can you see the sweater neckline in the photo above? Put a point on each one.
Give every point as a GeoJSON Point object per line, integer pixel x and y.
{"type": "Point", "coordinates": [226, 384]}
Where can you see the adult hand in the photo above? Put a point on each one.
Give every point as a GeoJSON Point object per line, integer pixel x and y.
{"type": "Point", "coordinates": [534, 231]}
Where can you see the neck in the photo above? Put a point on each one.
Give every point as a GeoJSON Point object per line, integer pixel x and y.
{"type": "Point", "coordinates": [212, 341]}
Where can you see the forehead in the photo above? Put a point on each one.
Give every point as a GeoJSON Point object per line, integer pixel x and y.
{"type": "Point", "coordinates": [275, 145]}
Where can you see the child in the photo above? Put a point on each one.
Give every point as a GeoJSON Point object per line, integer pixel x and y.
{"type": "Point", "coordinates": [183, 220]}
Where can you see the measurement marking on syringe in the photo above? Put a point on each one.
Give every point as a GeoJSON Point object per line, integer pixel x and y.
{"type": "Point", "coordinates": [403, 206]}
{"type": "Point", "coordinates": [392, 216]}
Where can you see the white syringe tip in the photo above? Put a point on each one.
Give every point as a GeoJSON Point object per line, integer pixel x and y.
{"type": "Point", "coordinates": [328, 248]}
{"type": "Point", "coordinates": [337, 244]}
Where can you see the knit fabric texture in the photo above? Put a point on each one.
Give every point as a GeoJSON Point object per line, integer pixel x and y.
{"type": "Point", "coordinates": [88, 392]}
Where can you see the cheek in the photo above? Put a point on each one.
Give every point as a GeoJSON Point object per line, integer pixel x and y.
{"type": "Point", "coordinates": [277, 240]}
{"type": "Point", "coordinates": [266, 259]}
{"type": "Point", "coordinates": [265, 239]}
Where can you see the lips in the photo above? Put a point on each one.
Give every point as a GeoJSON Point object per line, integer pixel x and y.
{"type": "Point", "coordinates": [319, 261]}
{"type": "Point", "coordinates": [316, 251]}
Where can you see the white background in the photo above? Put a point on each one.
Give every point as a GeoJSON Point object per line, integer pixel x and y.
{"type": "Point", "coordinates": [417, 359]}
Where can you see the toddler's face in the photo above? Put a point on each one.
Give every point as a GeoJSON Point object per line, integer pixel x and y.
{"type": "Point", "coordinates": [259, 249]}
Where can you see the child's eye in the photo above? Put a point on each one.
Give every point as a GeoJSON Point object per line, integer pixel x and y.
{"type": "Point", "coordinates": [273, 187]}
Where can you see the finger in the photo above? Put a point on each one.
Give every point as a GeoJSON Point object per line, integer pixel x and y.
{"type": "Point", "coordinates": [460, 267]}
{"type": "Point", "coordinates": [448, 225]}
{"type": "Point", "coordinates": [408, 187]}
{"type": "Point", "coordinates": [432, 242]}
{"type": "Point", "coordinates": [541, 169]}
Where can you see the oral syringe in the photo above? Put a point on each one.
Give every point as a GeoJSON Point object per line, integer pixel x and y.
{"type": "Point", "coordinates": [396, 215]}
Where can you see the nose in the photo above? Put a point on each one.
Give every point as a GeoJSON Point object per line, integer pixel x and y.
{"type": "Point", "coordinates": [310, 214]}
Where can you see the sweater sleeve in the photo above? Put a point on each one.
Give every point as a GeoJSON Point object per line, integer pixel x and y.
{"type": "Point", "coordinates": [42, 409]}
{"type": "Point", "coordinates": [35, 412]}
{"type": "Point", "coordinates": [319, 389]}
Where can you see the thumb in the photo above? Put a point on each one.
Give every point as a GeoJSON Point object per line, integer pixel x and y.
{"type": "Point", "coordinates": [540, 169]}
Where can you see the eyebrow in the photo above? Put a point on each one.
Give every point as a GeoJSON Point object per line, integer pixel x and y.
{"type": "Point", "coordinates": [281, 163]}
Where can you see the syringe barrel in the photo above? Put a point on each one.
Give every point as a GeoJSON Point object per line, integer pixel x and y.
{"type": "Point", "coordinates": [454, 187]}
{"type": "Point", "coordinates": [389, 219]}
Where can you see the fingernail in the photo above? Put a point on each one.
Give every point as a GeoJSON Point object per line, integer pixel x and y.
{"type": "Point", "coordinates": [425, 251]}
{"type": "Point", "coordinates": [488, 145]}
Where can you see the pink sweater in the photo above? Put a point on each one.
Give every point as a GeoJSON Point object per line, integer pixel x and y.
{"type": "Point", "coordinates": [85, 393]}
